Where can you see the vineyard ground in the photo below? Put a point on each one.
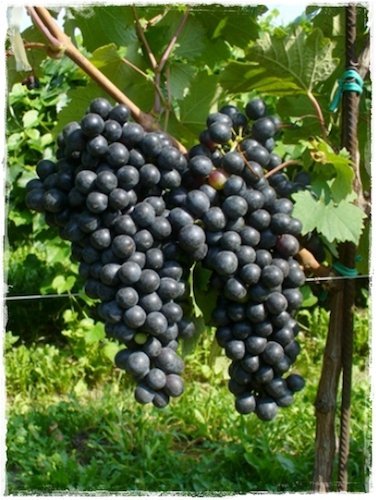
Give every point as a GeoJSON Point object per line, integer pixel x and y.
{"type": "Point", "coordinates": [94, 437]}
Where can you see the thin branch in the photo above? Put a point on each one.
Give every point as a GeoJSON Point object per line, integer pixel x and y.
{"type": "Point", "coordinates": [135, 68]}
{"type": "Point", "coordinates": [142, 73]}
{"type": "Point", "coordinates": [319, 113]}
{"type": "Point", "coordinates": [141, 34]}
{"type": "Point", "coordinates": [310, 263]}
{"type": "Point", "coordinates": [283, 165]}
{"type": "Point", "coordinates": [28, 46]}
{"type": "Point", "coordinates": [173, 40]}
{"type": "Point", "coordinates": [54, 42]}
{"type": "Point", "coordinates": [49, 28]}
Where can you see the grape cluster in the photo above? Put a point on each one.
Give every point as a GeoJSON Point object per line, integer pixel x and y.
{"type": "Point", "coordinates": [106, 195]}
{"type": "Point", "coordinates": [138, 214]}
{"type": "Point", "coordinates": [252, 240]}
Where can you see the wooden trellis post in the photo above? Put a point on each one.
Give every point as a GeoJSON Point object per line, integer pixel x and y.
{"type": "Point", "coordinates": [339, 347]}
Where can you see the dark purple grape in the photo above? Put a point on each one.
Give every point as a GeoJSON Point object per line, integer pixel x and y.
{"type": "Point", "coordinates": [256, 313]}
{"type": "Point", "coordinates": [143, 394]}
{"type": "Point", "coordinates": [156, 379]}
{"type": "Point", "coordinates": [276, 303]}
{"type": "Point", "coordinates": [271, 276]}
{"type": "Point", "coordinates": [137, 364]}
{"type": "Point", "coordinates": [233, 163]}
{"type": "Point", "coordinates": [250, 363]}
{"type": "Point", "coordinates": [169, 361]}
{"type": "Point", "coordinates": [263, 129]}
{"type": "Point", "coordinates": [123, 246]}
{"type": "Point", "coordinates": [230, 240]}
{"type": "Point", "coordinates": [152, 347]}
{"type": "Point", "coordinates": [214, 219]}
{"type": "Point", "coordinates": [174, 385]}
{"type": "Point", "coordinates": [272, 353]}
{"type": "Point", "coordinates": [156, 323]}
{"type": "Point", "coordinates": [246, 255]}
{"type": "Point", "coordinates": [106, 181]}
{"type": "Point", "coordinates": [149, 175]}
{"type": "Point", "coordinates": [150, 302]}
{"type": "Point", "coordinates": [143, 240]}
{"type": "Point", "coordinates": [234, 206]}
{"type": "Point", "coordinates": [134, 317]}
{"type": "Point", "coordinates": [118, 199]}
{"type": "Point", "coordinates": [151, 145]}
{"type": "Point", "coordinates": [127, 297]}
{"type": "Point", "coordinates": [45, 168]}
{"type": "Point", "coordinates": [92, 124]}
{"type": "Point", "coordinates": [128, 177]}
{"type": "Point", "coordinates": [191, 237]}
{"type": "Point", "coordinates": [120, 113]}
{"type": "Point", "coordinates": [234, 185]}
{"type": "Point", "coordinates": [112, 130]}
{"type": "Point", "coordinates": [129, 272]}
{"type": "Point", "coordinates": [96, 202]}
{"type": "Point", "coordinates": [117, 155]}
{"type": "Point", "coordinates": [173, 312]}
{"type": "Point", "coordinates": [295, 382]}
{"type": "Point", "coordinates": [220, 132]}
{"type": "Point", "coordinates": [255, 345]}
{"type": "Point", "coordinates": [85, 181]}
{"type": "Point", "coordinates": [255, 109]}
{"type": "Point", "coordinates": [250, 274]}
{"type": "Point", "coordinates": [200, 165]}
{"type": "Point", "coordinates": [97, 146]}
{"type": "Point", "coordinates": [225, 263]}
{"type": "Point", "coordinates": [148, 282]}
{"type": "Point", "coordinates": [235, 290]}
{"type": "Point", "coordinates": [245, 403]}
{"type": "Point", "coordinates": [197, 202]}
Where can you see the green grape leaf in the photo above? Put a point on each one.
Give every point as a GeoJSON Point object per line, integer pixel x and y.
{"type": "Point", "coordinates": [180, 76]}
{"type": "Point", "coordinates": [95, 333]}
{"type": "Point", "coordinates": [79, 100]}
{"type": "Point", "coordinates": [236, 24]}
{"type": "Point", "coordinates": [296, 62]}
{"type": "Point", "coordinates": [110, 350]}
{"type": "Point", "coordinates": [187, 135]}
{"type": "Point", "coordinates": [205, 297]}
{"type": "Point", "coordinates": [240, 77]}
{"type": "Point", "coordinates": [338, 222]}
{"type": "Point", "coordinates": [116, 25]}
{"type": "Point", "coordinates": [305, 59]}
{"type": "Point", "coordinates": [325, 156]}
{"type": "Point", "coordinates": [30, 118]}
{"type": "Point", "coordinates": [189, 344]}
{"type": "Point", "coordinates": [309, 299]}
{"type": "Point", "coordinates": [195, 107]}
{"type": "Point", "coordinates": [191, 42]}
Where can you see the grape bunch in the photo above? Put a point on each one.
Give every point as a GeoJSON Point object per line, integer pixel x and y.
{"type": "Point", "coordinates": [139, 214]}
{"type": "Point", "coordinates": [252, 240]}
{"type": "Point", "coordinates": [106, 195]}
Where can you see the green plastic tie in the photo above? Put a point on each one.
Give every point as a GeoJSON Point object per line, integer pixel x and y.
{"type": "Point", "coordinates": [350, 81]}
{"type": "Point", "coordinates": [343, 270]}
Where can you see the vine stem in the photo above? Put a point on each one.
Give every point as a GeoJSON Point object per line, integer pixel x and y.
{"type": "Point", "coordinates": [60, 41]}
{"type": "Point", "coordinates": [29, 45]}
{"type": "Point", "coordinates": [319, 112]}
{"type": "Point", "coordinates": [310, 263]}
{"type": "Point", "coordinates": [283, 165]}
{"type": "Point", "coordinates": [173, 40]}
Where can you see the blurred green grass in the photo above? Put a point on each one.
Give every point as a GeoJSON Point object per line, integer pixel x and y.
{"type": "Point", "coordinates": [73, 425]}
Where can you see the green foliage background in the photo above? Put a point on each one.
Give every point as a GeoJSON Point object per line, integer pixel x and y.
{"type": "Point", "coordinates": [224, 55]}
